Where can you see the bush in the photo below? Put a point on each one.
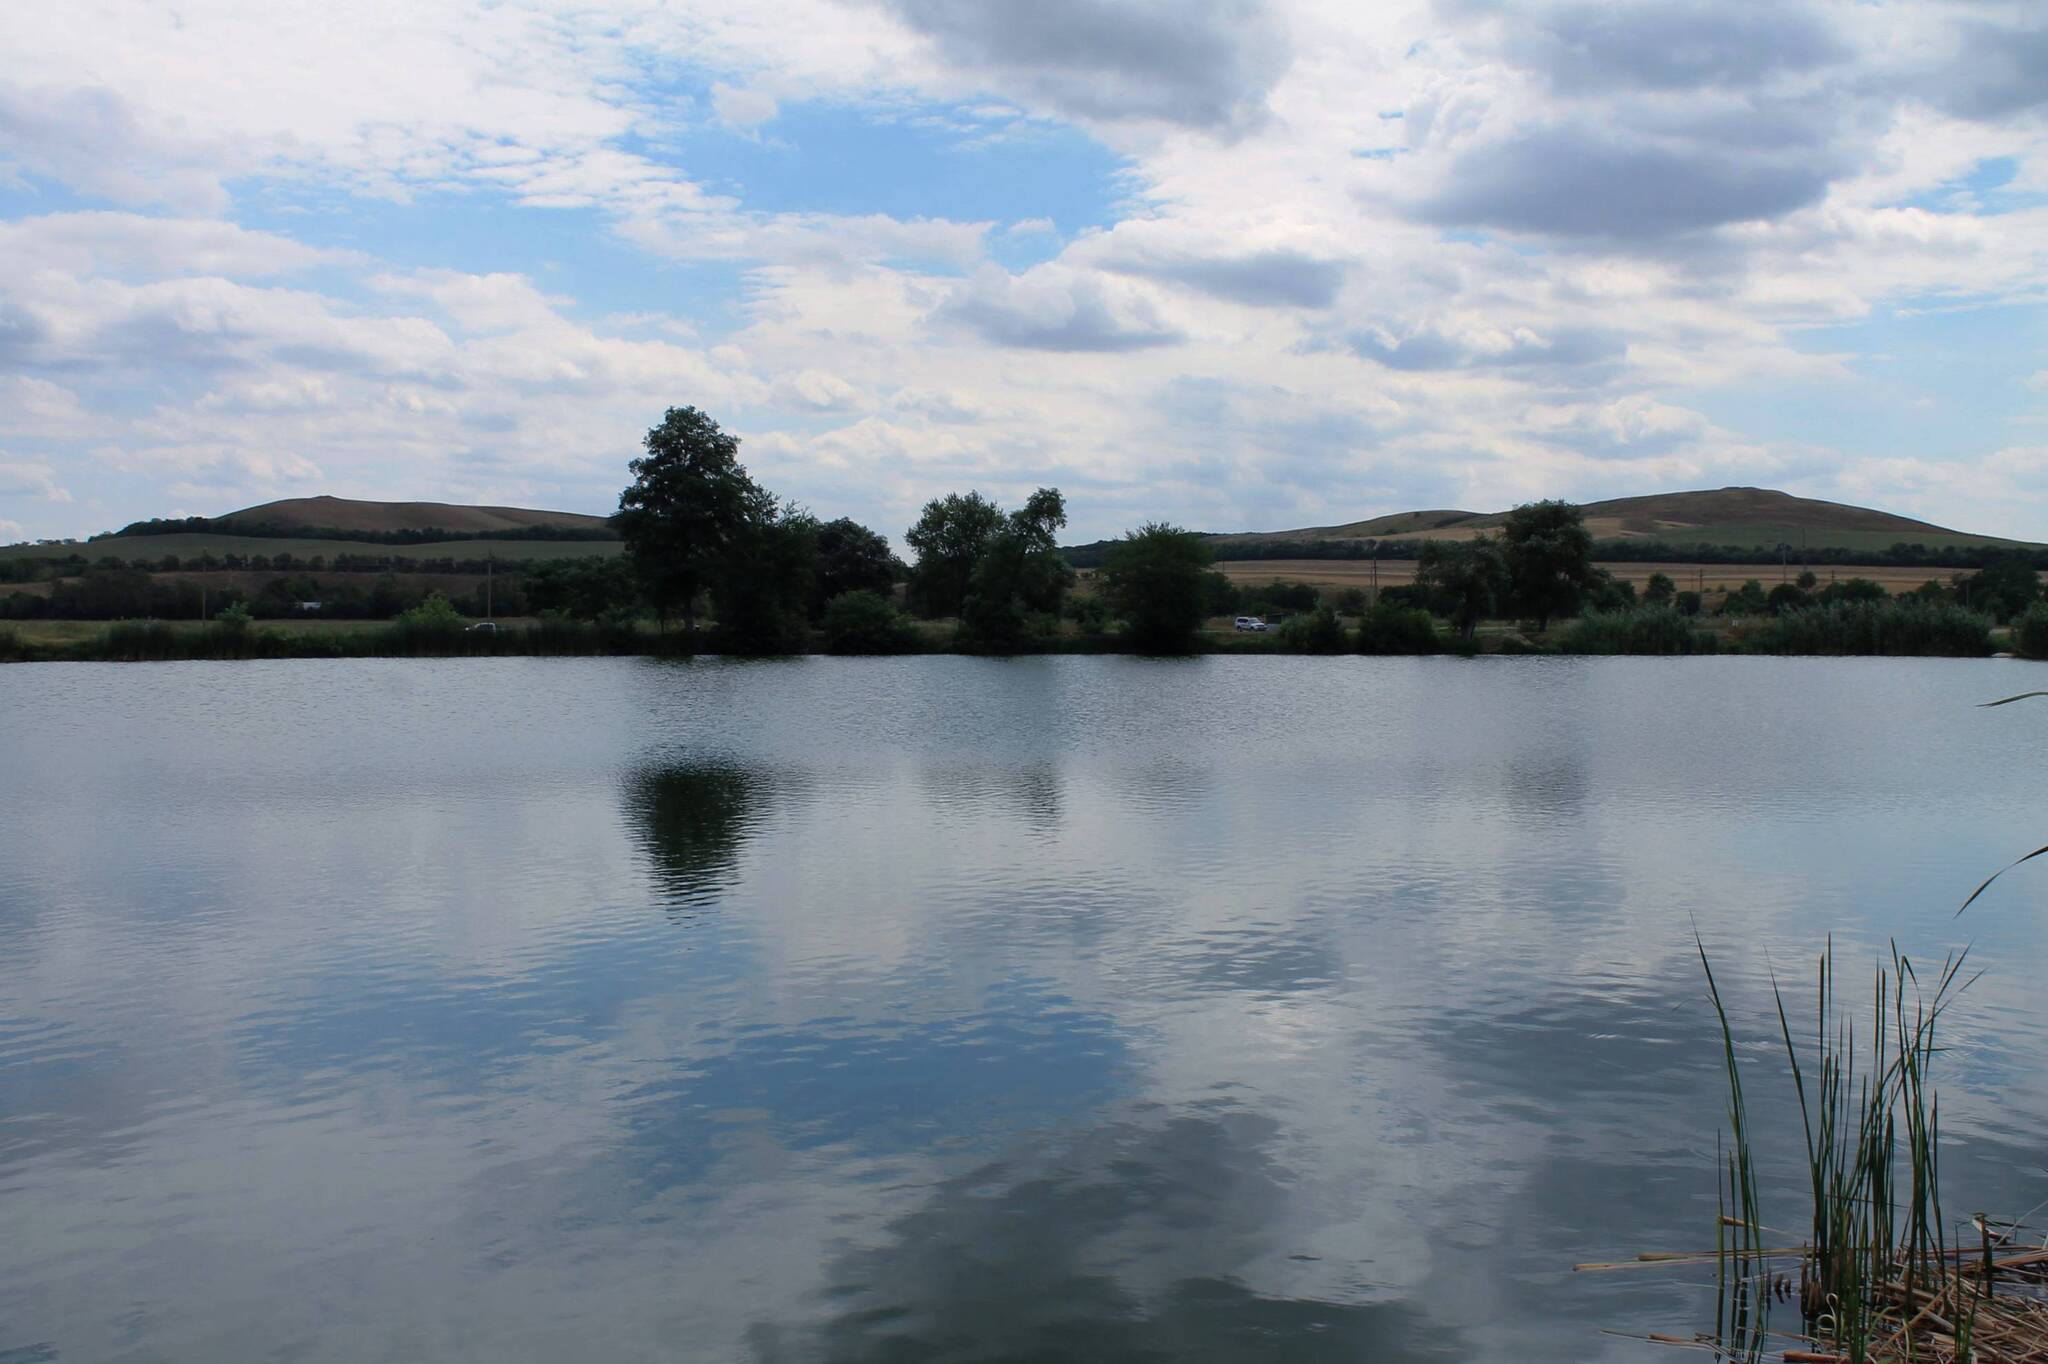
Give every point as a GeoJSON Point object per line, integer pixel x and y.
{"type": "Point", "coordinates": [1390, 628]}
{"type": "Point", "coordinates": [1907, 628]}
{"type": "Point", "coordinates": [1645, 630]}
{"type": "Point", "coordinates": [1090, 614]}
{"type": "Point", "coordinates": [2029, 632]}
{"type": "Point", "coordinates": [10, 647]}
{"type": "Point", "coordinates": [866, 623]}
{"type": "Point", "coordinates": [1318, 632]}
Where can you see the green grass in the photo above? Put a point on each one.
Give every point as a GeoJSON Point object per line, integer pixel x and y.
{"type": "Point", "coordinates": [155, 547]}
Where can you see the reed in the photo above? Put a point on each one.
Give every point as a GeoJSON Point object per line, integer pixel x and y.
{"type": "Point", "coordinates": [1897, 627]}
{"type": "Point", "coordinates": [1636, 630]}
{"type": "Point", "coordinates": [1883, 1277]}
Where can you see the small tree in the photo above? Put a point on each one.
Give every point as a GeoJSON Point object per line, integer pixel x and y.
{"type": "Point", "coordinates": [2007, 585]}
{"type": "Point", "coordinates": [852, 558]}
{"type": "Point", "coordinates": [689, 498]}
{"type": "Point", "coordinates": [584, 589]}
{"type": "Point", "coordinates": [1549, 556]}
{"type": "Point", "coordinates": [1747, 600]}
{"type": "Point", "coordinates": [2030, 632]}
{"type": "Point", "coordinates": [1784, 597]}
{"type": "Point", "coordinates": [1853, 589]}
{"type": "Point", "coordinates": [1466, 580]}
{"type": "Point", "coordinates": [1317, 632]}
{"type": "Point", "coordinates": [1660, 590]}
{"type": "Point", "coordinates": [867, 623]}
{"type": "Point", "coordinates": [1390, 628]}
{"type": "Point", "coordinates": [1155, 579]}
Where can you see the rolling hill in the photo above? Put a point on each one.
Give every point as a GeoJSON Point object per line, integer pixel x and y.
{"type": "Point", "coordinates": [378, 518]}
{"type": "Point", "coordinates": [328, 526]}
{"type": "Point", "coordinates": [1759, 518]}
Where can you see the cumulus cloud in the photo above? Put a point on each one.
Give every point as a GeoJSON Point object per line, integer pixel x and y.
{"type": "Point", "coordinates": [130, 245]}
{"type": "Point", "coordinates": [95, 140]}
{"type": "Point", "coordinates": [1582, 180]}
{"type": "Point", "coordinates": [1200, 63]}
{"type": "Point", "coordinates": [1484, 346]}
{"type": "Point", "coordinates": [1998, 69]}
{"type": "Point", "coordinates": [1663, 44]}
{"type": "Point", "coordinates": [1259, 279]}
{"type": "Point", "coordinates": [30, 478]}
{"type": "Point", "coordinates": [1057, 309]}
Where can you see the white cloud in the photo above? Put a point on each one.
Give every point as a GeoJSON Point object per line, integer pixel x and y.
{"type": "Point", "coordinates": [30, 478]}
{"type": "Point", "coordinates": [742, 107]}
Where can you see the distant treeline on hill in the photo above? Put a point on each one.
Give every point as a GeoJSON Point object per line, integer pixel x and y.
{"type": "Point", "coordinates": [430, 535]}
{"type": "Point", "coordinates": [28, 570]}
{"type": "Point", "coordinates": [1900, 555]}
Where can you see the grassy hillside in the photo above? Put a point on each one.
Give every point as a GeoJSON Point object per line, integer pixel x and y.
{"type": "Point", "coordinates": [347, 514]}
{"type": "Point", "coordinates": [152, 548]}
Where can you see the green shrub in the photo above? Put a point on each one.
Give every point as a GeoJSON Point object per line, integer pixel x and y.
{"type": "Point", "coordinates": [1317, 632]}
{"type": "Point", "coordinates": [1900, 627]}
{"type": "Point", "coordinates": [867, 623]}
{"type": "Point", "coordinates": [2029, 632]}
{"type": "Point", "coordinates": [1090, 614]}
{"type": "Point", "coordinates": [10, 647]}
{"type": "Point", "coordinates": [1390, 628]}
{"type": "Point", "coordinates": [1645, 630]}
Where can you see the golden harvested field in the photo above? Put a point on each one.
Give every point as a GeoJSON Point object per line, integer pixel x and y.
{"type": "Point", "coordinates": [1343, 573]}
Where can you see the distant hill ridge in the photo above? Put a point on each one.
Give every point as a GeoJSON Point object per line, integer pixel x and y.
{"type": "Point", "coordinates": [388, 523]}
{"type": "Point", "coordinates": [349, 514]}
{"type": "Point", "coordinates": [1657, 516]}
{"type": "Point", "coordinates": [1711, 525]}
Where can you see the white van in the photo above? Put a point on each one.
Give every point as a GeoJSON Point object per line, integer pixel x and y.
{"type": "Point", "coordinates": [1250, 623]}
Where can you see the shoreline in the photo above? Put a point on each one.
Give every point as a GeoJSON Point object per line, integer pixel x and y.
{"type": "Point", "coordinates": [157, 641]}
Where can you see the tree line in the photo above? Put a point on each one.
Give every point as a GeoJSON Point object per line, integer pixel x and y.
{"type": "Point", "coordinates": [704, 542]}
{"type": "Point", "coordinates": [1632, 551]}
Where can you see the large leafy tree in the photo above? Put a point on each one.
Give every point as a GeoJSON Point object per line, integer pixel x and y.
{"type": "Point", "coordinates": [949, 538]}
{"type": "Point", "coordinates": [852, 558]}
{"type": "Point", "coordinates": [2004, 587]}
{"type": "Point", "coordinates": [689, 498]}
{"type": "Point", "coordinates": [1019, 575]}
{"type": "Point", "coordinates": [1155, 578]}
{"type": "Point", "coordinates": [763, 580]}
{"type": "Point", "coordinates": [1467, 580]}
{"type": "Point", "coordinates": [1549, 555]}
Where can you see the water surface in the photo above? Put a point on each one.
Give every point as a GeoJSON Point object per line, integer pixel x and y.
{"type": "Point", "coordinates": [950, 1009]}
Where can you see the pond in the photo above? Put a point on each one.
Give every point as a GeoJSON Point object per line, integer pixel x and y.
{"type": "Point", "coordinates": [1252, 1008]}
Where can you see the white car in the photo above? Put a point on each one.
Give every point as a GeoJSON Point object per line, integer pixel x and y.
{"type": "Point", "coordinates": [1250, 623]}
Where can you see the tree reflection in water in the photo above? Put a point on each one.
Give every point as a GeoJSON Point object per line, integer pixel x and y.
{"type": "Point", "coordinates": [692, 819]}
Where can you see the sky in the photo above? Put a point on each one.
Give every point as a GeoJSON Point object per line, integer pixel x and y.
{"type": "Point", "coordinates": [1236, 264]}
